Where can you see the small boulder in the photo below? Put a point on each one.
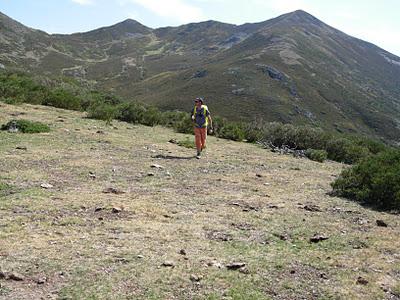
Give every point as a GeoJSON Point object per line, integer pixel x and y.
{"type": "Point", "coordinates": [168, 263]}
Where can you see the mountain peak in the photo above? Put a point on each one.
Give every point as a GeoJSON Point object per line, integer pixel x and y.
{"type": "Point", "coordinates": [300, 16]}
{"type": "Point", "coordinates": [129, 26]}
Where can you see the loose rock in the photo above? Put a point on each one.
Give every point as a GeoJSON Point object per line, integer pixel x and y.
{"type": "Point", "coordinates": [311, 207]}
{"type": "Point", "coordinates": [15, 277]}
{"type": "Point", "coordinates": [361, 280]}
{"type": "Point", "coordinates": [235, 265]}
{"type": "Point", "coordinates": [41, 280]}
{"type": "Point", "coordinates": [116, 210]}
{"type": "Point", "coordinates": [112, 190]}
{"type": "Point", "coordinates": [195, 278]}
{"type": "Point", "coordinates": [318, 238]}
{"type": "Point", "coordinates": [381, 223]}
{"type": "Point", "coordinates": [46, 185]}
{"type": "Point", "coordinates": [157, 166]}
{"type": "Point", "coordinates": [168, 263]}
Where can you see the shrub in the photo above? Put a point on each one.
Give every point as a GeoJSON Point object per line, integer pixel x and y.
{"type": "Point", "coordinates": [374, 181]}
{"type": "Point", "coordinates": [344, 150]}
{"type": "Point", "coordinates": [62, 98]}
{"type": "Point", "coordinates": [26, 126]}
{"type": "Point", "coordinates": [294, 137]}
{"type": "Point", "coordinates": [103, 111]}
{"type": "Point", "coordinates": [131, 112]}
{"type": "Point", "coordinates": [232, 131]}
{"type": "Point", "coordinates": [317, 155]}
{"type": "Point", "coordinates": [252, 132]}
{"type": "Point", "coordinates": [152, 116]}
{"type": "Point", "coordinates": [181, 122]}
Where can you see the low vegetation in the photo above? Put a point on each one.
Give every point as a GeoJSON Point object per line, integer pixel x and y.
{"type": "Point", "coordinates": [374, 181]}
{"type": "Point", "coordinates": [26, 126]}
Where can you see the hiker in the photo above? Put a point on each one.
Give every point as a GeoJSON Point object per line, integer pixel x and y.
{"type": "Point", "coordinates": [201, 118]}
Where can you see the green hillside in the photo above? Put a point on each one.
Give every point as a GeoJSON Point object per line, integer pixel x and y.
{"type": "Point", "coordinates": [293, 69]}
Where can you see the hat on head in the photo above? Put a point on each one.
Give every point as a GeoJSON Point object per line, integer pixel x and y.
{"type": "Point", "coordinates": [200, 99]}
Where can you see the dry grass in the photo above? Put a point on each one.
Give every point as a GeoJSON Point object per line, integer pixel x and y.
{"type": "Point", "coordinates": [239, 203]}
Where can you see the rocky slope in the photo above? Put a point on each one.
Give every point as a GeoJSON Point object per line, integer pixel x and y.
{"type": "Point", "coordinates": [293, 68]}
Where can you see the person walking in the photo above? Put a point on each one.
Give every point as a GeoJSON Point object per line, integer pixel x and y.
{"type": "Point", "coordinates": [201, 118]}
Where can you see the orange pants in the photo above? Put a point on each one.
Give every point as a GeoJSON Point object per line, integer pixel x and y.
{"type": "Point", "coordinates": [200, 135]}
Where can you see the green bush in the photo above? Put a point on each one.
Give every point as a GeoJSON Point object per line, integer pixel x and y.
{"type": "Point", "coordinates": [232, 131]}
{"type": "Point", "coordinates": [152, 116]}
{"type": "Point", "coordinates": [62, 98]}
{"type": "Point", "coordinates": [253, 132]}
{"type": "Point", "coordinates": [181, 122]}
{"type": "Point", "coordinates": [317, 155]}
{"type": "Point", "coordinates": [103, 111]}
{"type": "Point", "coordinates": [373, 181]}
{"type": "Point", "coordinates": [345, 150]}
{"type": "Point", "coordinates": [294, 137]}
{"type": "Point", "coordinates": [131, 112]}
{"type": "Point", "coordinates": [26, 126]}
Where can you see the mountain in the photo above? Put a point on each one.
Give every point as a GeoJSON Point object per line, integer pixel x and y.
{"type": "Point", "coordinates": [293, 68]}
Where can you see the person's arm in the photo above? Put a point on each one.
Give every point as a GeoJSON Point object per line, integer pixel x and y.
{"type": "Point", "coordinates": [192, 116]}
{"type": "Point", "coordinates": [210, 121]}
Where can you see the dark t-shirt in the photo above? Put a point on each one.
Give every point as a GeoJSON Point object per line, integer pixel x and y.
{"type": "Point", "coordinates": [200, 119]}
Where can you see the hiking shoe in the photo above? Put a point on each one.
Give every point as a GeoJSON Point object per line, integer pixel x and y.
{"type": "Point", "coordinates": [198, 155]}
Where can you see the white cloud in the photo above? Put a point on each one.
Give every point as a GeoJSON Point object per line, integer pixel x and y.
{"type": "Point", "coordinates": [84, 2]}
{"type": "Point", "coordinates": [174, 9]}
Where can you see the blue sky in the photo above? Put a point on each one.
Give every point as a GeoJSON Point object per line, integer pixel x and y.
{"type": "Point", "coordinates": [376, 21]}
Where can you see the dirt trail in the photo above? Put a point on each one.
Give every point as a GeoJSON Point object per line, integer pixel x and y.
{"type": "Point", "coordinates": [132, 216]}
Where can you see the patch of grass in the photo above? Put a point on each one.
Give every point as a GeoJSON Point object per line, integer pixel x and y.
{"type": "Point", "coordinates": [187, 143]}
{"type": "Point", "coordinates": [26, 126]}
{"type": "Point", "coordinates": [5, 189]}
{"type": "Point", "coordinates": [4, 291]}
{"type": "Point", "coordinates": [245, 292]}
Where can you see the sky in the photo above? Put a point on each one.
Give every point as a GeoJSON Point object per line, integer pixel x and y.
{"type": "Point", "coordinates": [375, 21]}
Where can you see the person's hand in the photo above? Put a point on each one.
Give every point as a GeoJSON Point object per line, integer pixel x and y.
{"type": "Point", "coordinates": [211, 130]}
